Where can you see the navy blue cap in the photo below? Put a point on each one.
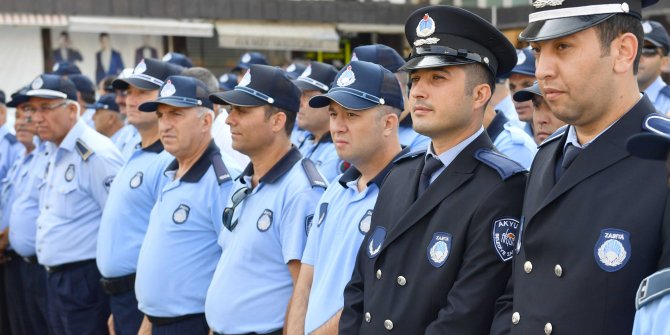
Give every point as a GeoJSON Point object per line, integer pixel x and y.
{"type": "Point", "coordinates": [262, 85]}
{"type": "Point", "coordinates": [316, 77]}
{"type": "Point", "coordinates": [65, 68]}
{"type": "Point", "coordinates": [379, 54]}
{"type": "Point", "coordinates": [106, 101]}
{"type": "Point", "coordinates": [179, 91]}
{"type": "Point", "coordinates": [178, 59]}
{"type": "Point", "coordinates": [362, 85]}
{"type": "Point", "coordinates": [52, 86]}
{"type": "Point", "coordinates": [294, 70]}
{"type": "Point", "coordinates": [527, 93]}
{"type": "Point", "coordinates": [557, 18]}
{"type": "Point", "coordinates": [19, 97]}
{"type": "Point", "coordinates": [149, 74]}
{"type": "Point", "coordinates": [82, 83]}
{"type": "Point", "coordinates": [525, 64]}
{"type": "Point", "coordinates": [248, 59]}
{"type": "Point", "coordinates": [654, 142]}
{"type": "Point", "coordinates": [227, 81]}
{"type": "Point", "coordinates": [446, 36]}
{"type": "Point", "coordinates": [656, 34]}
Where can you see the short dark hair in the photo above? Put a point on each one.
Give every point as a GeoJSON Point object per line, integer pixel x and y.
{"type": "Point", "coordinates": [103, 35]}
{"type": "Point", "coordinates": [88, 97]}
{"type": "Point", "coordinates": [615, 26]}
{"type": "Point", "coordinates": [290, 117]}
{"type": "Point", "coordinates": [477, 74]}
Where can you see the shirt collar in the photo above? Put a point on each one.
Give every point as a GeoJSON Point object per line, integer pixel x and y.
{"type": "Point", "coordinates": [353, 174]}
{"type": "Point", "coordinates": [279, 169]}
{"type": "Point", "coordinates": [448, 156]}
{"type": "Point", "coordinates": [195, 173]}
{"type": "Point", "coordinates": [655, 87]}
{"type": "Point", "coordinates": [75, 133]}
{"type": "Point", "coordinates": [156, 147]}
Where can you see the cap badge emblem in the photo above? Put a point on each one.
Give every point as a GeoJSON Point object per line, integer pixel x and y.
{"type": "Point", "coordinates": [246, 58]}
{"type": "Point", "coordinates": [545, 3]}
{"type": "Point", "coordinates": [347, 78]}
{"type": "Point", "coordinates": [37, 83]}
{"type": "Point", "coordinates": [307, 72]}
{"type": "Point", "coordinates": [168, 89]}
{"type": "Point", "coordinates": [246, 80]}
{"type": "Point", "coordinates": [140, 68]}
{"type": "Point", "coordinates": [426, 26]}
{"type": "Point", "coordinates": [646, 26]}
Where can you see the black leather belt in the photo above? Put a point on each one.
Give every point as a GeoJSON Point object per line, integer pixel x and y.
{"type": "Point", "coordinates": [68, 266]}
{"type": "Point", "coordinates": [11, 254]}
{"type": "Point", "coordinates": [162, 321]}
{"type": "Point", "coordinates": [276, 332]}
{"type": "Point", "coordinates": [30, 259]}
{"type": "Point", "coordinates": [118, 285]}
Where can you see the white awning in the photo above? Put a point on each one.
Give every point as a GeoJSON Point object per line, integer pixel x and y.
{"type": "Point", "coordinates": [259, 35]}
{"type": "Point", "coordinates": [371, 28]}
{"type": "Point", "coordinates": [141, 26]}
{"type": "Point", "coordinates": [33, 20]}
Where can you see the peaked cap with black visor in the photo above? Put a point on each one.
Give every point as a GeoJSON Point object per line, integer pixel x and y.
{"type": "Point", "coordinates": [445, 36]}
{"type": "Point", "coordinates": [557, 18]}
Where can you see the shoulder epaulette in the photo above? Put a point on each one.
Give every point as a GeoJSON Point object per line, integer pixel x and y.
{"type": "Point", "coordinates": [505, 167]}
{"type": "Point", "coordinates": [313, 174]}
{"type": "Point", "coordinates": [557, 134]}
{"type": "Point", "coordinates": [653, 287]}
{"type": "Point", "coordinates": [410, 155]}
{"type": "Point", "coordinates": [11, 138]}
{"type": "Point", "coordinates": [84, 151]}
{"type": "Point", "coordinates": [220, 169]}
{"type": "Point", "coordinates": [666, 91]}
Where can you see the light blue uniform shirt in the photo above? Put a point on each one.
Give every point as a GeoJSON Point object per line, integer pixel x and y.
{"type": "Point", "coordinates": [9, 184]}
{"type": "Point", "coordinates": [343, 218]}
{"type": "Point", "coordinates": [10, 150]}
{"type": "Point", "coordinates": [298, 135]}
{"type": "Point", "coordinates": [87, 116]}
{"type": "Point", "coordinates": [324, 155]}
{"type": "Point", "coordinates": [131, 141]}
{"type": "Point", "coordinates": [25, 208]}
{"type": "Point", "coordinates": [511, 141]}
{"type": "Point", "coordinates": [448, 156]}
{"type": "Point", "coordinates": [123, 136]}
{"type": "Point", "coordinates": [126, 216]}
{"type": "Point", "coordinates": [661, 101]}
{"type": "Point", "coordinates": [410, 138]}
{"type": "Point", "coordinates": [79, 174]}
{"type": "Point", "coordinates": [652, 319]}
{"type": "Point", "coordinates": [252, 283]}
{"type": "Point", "coordinates": [180, 250]}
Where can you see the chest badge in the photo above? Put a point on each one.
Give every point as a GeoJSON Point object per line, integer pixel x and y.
{"type": "Point", "coordinates": [69, 173]}
{"type": "Point", "coordinates": [438, 249]}
{"type": "Point", "coordinates": [136, 181]}
{"type": "Point", "coordinates": [265, 220]}
{"type": "Point", "coordinates": [504, 236]}
{"type": "Point", "coordinates": [180, 214]}
{"type": "Point", "coordinates": [364, 224]}
{"type": "Point", "coordinates": [612, 251]}
{"type": "Point", "coordinates": [375, 242]}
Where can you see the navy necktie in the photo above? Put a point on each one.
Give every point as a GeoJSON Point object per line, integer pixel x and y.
{"type": "Point", "coordinates": [432, 164]}
{"type": "Point", "coordinates": [569, 154]}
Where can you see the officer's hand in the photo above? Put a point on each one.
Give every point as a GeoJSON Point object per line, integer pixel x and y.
{"type": "Point", "coordinates": [145, 328]}
{"type": "Point", "coordinates": [4, 240]}
{"type": "Point", "coordinates": [110, 324]}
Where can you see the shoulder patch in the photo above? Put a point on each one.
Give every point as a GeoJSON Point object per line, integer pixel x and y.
{"type": "Point", "coordinates": [410, 155]}
{"type": "Point", "coordinates": [313, 174]}
{"type": "Point", "coordinates": [666, 91]}
{"type": "Point", "coordinates": [220, 170]}
{"type": "Point", "coordinates": [653, 287]}
{"type": "Point", "coordinates": [84, 151]}
{"type": "Point", "coordinates": [557, 134]}
{"type": "Point", "coordinates": [11, 138]}
{"type": "Point", "coordinates": [505, 167]}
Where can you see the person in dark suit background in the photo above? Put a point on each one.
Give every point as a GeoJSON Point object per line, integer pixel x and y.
{"type": "Point", "coordinates": [145, 51]}
{"type": "Point", "coordinates": [107, 61]}
{"type": "Point", "coordinates": [65, 52]}
{"type": "Point", "coordinates": [595, 219]}
{"type": "Point", "coordinates": [437, 255]}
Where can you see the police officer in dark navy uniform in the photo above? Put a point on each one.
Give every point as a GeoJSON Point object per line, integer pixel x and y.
{"type": "Point", "coordinates": [438, 251]}
{"type": "Point", "coordinates": [594, 217]}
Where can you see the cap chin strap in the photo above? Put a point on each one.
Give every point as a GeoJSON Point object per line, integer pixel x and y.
{"type": "Point", "coordinates": [360, 94]}
{"type": "Point", "coordinates": [579, 11]}
{"type": "Point", "coordinates": [316, 83]}
{"type": "Point", "coordinates": [255, 93]}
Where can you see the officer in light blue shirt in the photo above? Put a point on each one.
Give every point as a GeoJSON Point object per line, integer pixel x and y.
{"type": "Point", "coordinates": [391, 60]}
{"type": "Point", "coordinates": [179, 254]}
{"type": "Point", "coordinates": [25, 280]}
{"type": "Point", "coordinates": [652, 300]}
{"type": "Point", "coordinates": [510, 140]}
{"type": "Point", "coordinates": [81, 167]}
{"type": "Point", "coordinates": [10, 148]}
{"type": "Point", "coordinates": [269, 211]}
{"type": "Point", "coordinates": [317, 145]}
{"type": "Point", "coordinates": [132, 196]}
{"type": "Point", "coordinates": [365, 130]}
{"type": "Point", "coordinates": [652, 62]}
{"type": "Point", "coordinates": [85, 96]}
